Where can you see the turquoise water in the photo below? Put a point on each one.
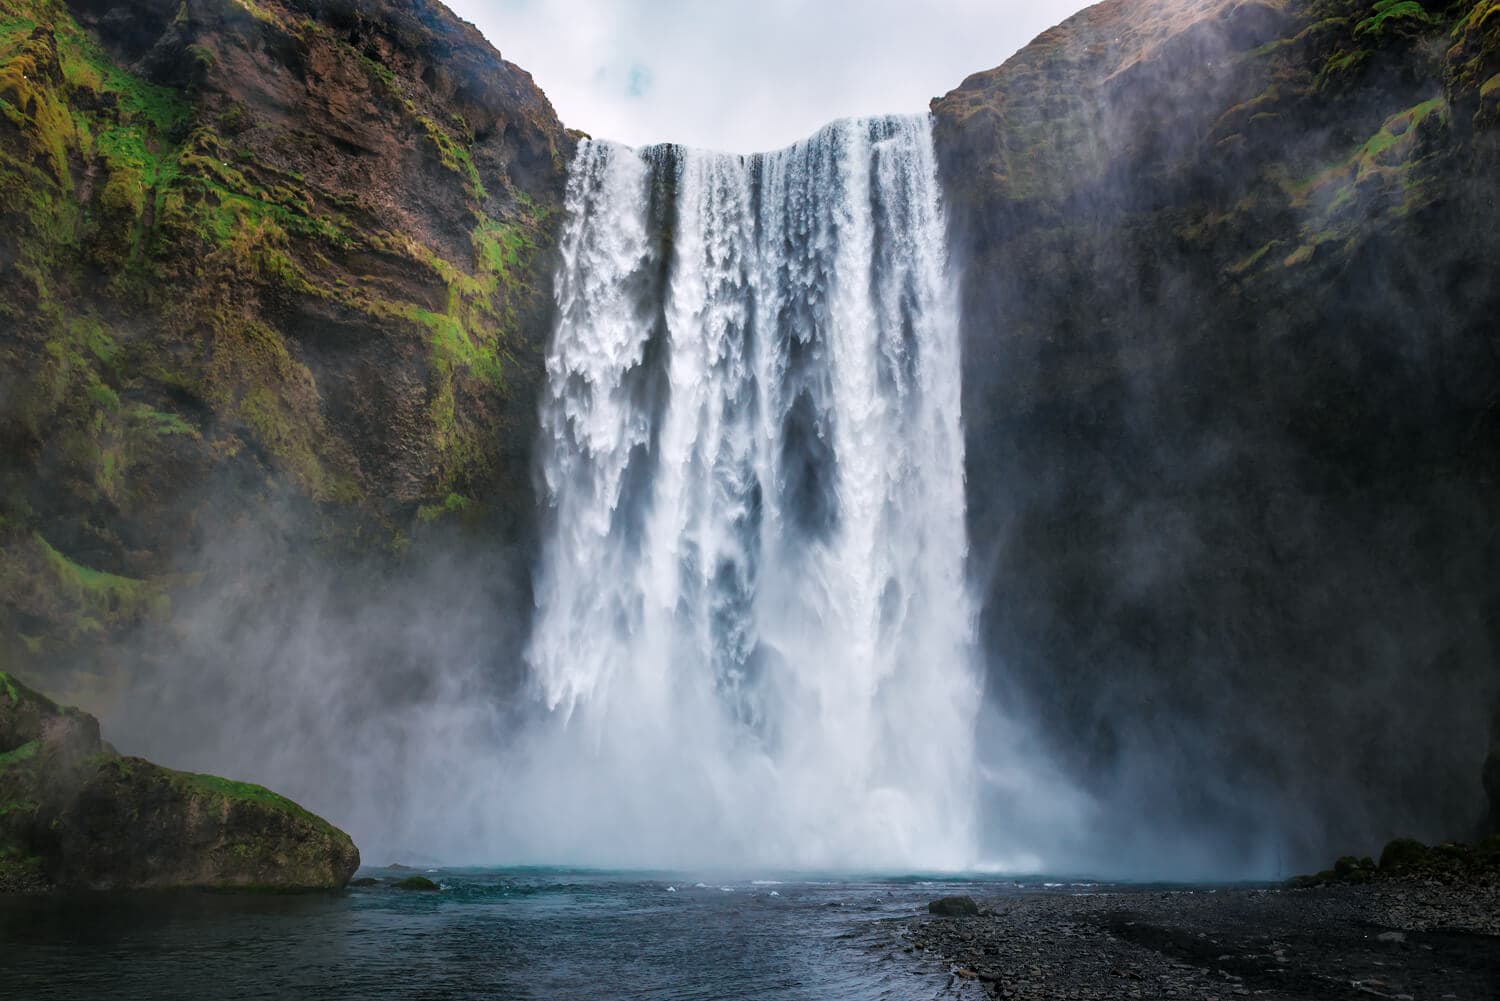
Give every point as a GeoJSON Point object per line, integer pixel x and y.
{"type": "Point", "coordinates": [501, 934]}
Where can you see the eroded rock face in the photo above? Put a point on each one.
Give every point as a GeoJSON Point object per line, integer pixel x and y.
{"type": "Point", "coordinates": [75, 815]}
{"type": "Point", "coordinates": [1230, 363]}
{"type": "Point", "coordinates": [284, 262]}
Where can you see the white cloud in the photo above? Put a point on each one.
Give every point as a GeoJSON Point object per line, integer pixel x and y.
{"type": "Point", "coordinates": [748, 76]}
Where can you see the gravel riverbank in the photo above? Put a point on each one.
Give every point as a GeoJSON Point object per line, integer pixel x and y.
{"type": "Point", "coordinates": [1410, 941]}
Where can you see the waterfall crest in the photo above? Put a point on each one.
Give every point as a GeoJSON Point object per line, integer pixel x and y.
{"type": "Point", "coordinates": [754, 638]}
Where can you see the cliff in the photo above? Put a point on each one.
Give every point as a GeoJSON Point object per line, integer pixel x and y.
{"type": "Point", "coordinates": [281, 263]}
{"type": "Point", "coordinates": [1231, 362]}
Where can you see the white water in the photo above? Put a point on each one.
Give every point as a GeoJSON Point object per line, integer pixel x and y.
{"type": "Point", "coordinates": [754, 638]}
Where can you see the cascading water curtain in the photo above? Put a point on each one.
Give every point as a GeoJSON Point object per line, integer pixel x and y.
{"type": "Point", "coordinates": [754, 636]}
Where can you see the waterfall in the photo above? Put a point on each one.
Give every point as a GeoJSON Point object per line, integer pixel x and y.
{"type": "Point", "coordinates": [754, 639]}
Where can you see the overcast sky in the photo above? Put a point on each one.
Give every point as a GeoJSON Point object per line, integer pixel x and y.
{"type": "Point", "coordinates": [750, 75]}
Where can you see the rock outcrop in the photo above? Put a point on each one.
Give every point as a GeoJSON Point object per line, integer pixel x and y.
{"type": "Point", "coordinates": [76, 815]}
{"type": "Point", "coordinates": [1410, 860]}
{"type": "Point", "coordinates": [953, 907]}
{"type": "Point", "coordinates": [283, 261]}
{"type": "Point", "coordinates": [1234, 442]}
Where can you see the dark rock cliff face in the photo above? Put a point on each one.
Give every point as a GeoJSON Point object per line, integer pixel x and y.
{"type": "Point", "coordinates": [1231, 343]}
{"type": "Point", "coordinates": [282, 263]}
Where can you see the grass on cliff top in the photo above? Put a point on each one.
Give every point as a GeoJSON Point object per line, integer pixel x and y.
{"type": "Point", "coordinates": [116, 593]}
{"type": "Point", "coordinates": [17, 692]}
{"type": "Point", "coordinates": [246, 792]}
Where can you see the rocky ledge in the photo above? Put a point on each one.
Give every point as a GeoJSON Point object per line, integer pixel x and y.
{"type": "Point", "coordinates": [75, 815]}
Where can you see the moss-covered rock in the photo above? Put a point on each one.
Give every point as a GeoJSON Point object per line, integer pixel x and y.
{"type": "Point", "coordinates": [1410, 859]}
{"type": "Point", "coordinates": [76, 815]}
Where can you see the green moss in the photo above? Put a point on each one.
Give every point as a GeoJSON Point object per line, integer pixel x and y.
{"type": "Point", "coordinates": [1250, 262]}
{"type": "Point", "coordinates": [201, 57]}
{"type": "Point", "coordinates": [103, 396]}
{"type": "Point", "coordinates": [257, 11]}
{"type": "Point", "coordinates": [244, 792]}
{"type": "Point", "coordinates": [452, 504]}
{"type": "Point", "coordinates": [9, 687]}
{"type": "Point", "coordinates": [14, 29]}
{"type": "Point", "coordinates": [1391, 14]}
{"type": "Point", "coordinates": [454, 157]}
{"type": "Point", "coordinates": [25, 752]}
{"type": "Point", "coordinates": [98, 597]}
{"type": "Point", "coordinates": [1301, 255]}
{"type": "Point", "coordinates": [159, 424]}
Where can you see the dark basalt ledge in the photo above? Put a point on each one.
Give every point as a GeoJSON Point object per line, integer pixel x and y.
{"type": "Point", "coordinates": [75, 815]}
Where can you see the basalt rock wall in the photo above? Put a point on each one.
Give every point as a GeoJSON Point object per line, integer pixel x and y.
{"type": "Point", "coordinates": [1231, 357]}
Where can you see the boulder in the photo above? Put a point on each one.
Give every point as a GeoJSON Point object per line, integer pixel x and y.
{"type": "Point", "coordinates": [1404, 855]}
{"type": "Point", "coordinates": [76, 815]}
{"type": "Point", "coordinates": [421, 883]}
{"type": "Point", "coordinates": [954, 907]}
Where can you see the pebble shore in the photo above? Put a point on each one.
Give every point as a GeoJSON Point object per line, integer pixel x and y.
{"type": "Point", "coordinates": [1404, 940]}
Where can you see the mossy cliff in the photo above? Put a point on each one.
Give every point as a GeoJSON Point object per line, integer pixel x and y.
{"type": "Point", "coordinates": [76, 815]}
{"type": "Point", "coordinates": [284, 260]}
{"type": "Point", "coordinates": [1234, 441]}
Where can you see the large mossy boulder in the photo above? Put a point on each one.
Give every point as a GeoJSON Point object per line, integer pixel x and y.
{"type": "Point", "coordinates": [76, 815]}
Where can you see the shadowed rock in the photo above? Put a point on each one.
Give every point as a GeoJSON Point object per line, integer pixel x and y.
{"type": "Point", "coordinates": [76, 815]}
{"type": "Point", "coordinates": [954, 907]}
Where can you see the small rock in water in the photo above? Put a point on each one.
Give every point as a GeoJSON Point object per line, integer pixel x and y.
{"type": "Point", "coordinates": [416, 883]}
{"type": "Point", "coordinates": [365, 881]}
{"type": "Point", "coordinates": [954, 907]}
